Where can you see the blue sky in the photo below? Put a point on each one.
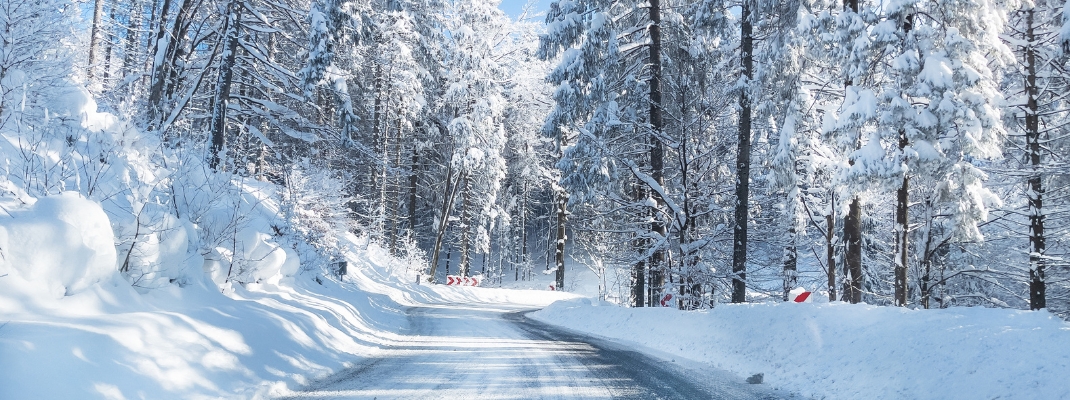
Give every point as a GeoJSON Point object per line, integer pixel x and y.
{"type": "Point", "coordinates": [512, 7]}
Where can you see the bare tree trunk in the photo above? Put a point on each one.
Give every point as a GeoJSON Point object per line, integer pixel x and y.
{"type": "Point", "coordinates": [852, 234]}
{"type": "Point", "coordinates": [131, 45]}
{"type": "Point", "coordinates": [926, 261]}
{"type": "Point", "coordinates": [657, 151]}
{"type": "Point", "coordinates": [852, 228]}
{"type": "Point", "coordinates": [413, 181]}
{"type": "Point", "coordinates": [94, 37]}
{"type": "Point", "coordinates": [394, 196]}
{"type": "Point", "coordinates": [739, 242]}
{"type": "Point", "coordinates": [638, 284]}
{"type": "Point", "coordinates": [1037, 285]}
{"type": "Point", "coordinates": [791, 257]}
{"type": "Point", "coordinates": [902, 227]}
{"type": "Point", "coordinates": [901, 232]}
{"type": "Point", "coordinates": [830, 254]}
{"type": "Point", "coordinates": [524, 227]}
{"type": "Point", "coordinates": [562, 216]}
{"type": "Point", "coordinates": [448, 196]}
{"type": "Point", "coordinates": [106, 73]}
{"type": "Point", "coordinates": [222, 95]}
{"type": "Point", "coordinates": [467, 224]}
{"type": "Point", "coordinates": [164, 75]}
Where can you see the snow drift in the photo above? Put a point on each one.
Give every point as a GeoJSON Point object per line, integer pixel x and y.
{"type": "Point", "coordinates": [843, 351]}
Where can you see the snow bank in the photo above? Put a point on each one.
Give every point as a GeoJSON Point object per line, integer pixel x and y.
{"type": "Point", "coordinates": [259, 340]}
{"type": "Point", "coordinates": [63, 243]}
{"type": "Point", "coordinates": [842, 351]}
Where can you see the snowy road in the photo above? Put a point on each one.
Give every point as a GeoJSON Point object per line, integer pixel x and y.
{"type": "Point", "coordinates": [484, 353]}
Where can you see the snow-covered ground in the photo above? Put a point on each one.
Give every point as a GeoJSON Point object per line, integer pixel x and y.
{"type": "Point", "coordinates": [843, 351]}
{"type": "Point", "coordinates": [108, 341]}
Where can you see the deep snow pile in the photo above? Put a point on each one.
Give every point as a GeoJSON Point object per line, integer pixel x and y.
{"type": "Point", "coordinates": [843, 351]}
{"type": "Point", "coordinates": [62, 244]}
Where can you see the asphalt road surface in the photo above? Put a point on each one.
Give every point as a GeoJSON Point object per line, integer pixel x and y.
{"type": "Point", "coordinates": [469, 352]}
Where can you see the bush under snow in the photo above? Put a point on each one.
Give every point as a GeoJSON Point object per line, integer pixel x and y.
{"type": "Point", "coordinates": [63, 242]}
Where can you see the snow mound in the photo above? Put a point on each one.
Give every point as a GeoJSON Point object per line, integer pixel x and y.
{"type": "Point", "coordinates": [842, 351]}
{"type": "Point", "coordinates": [63, 243]}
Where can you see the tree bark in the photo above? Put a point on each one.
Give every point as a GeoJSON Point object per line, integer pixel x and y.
{"type": "Point", "coordinates": [901, 232]}
{"type": "Point", "coordinates": [131, 45]}
{"type": "Point", "coordinates": [222, 97]}
{"type": "Point", "coordinates": [164, 76]}
{"type": "Point", "coordinates": [739, 242]}
{"type": "Point", "coordinates": [448, 196]}
{"type": "Point", "coordinates": [94, 38]}
{"type": "Point", "coordinates": [926, 261]}
{"type": "Point", "coordinates": [562, 216]}
{"type": "Point", "coordinates": [639, 284]}
{"type": "Point", "coordinates": [830, 254]}
{"type": "Point", "coordinates": [657, 151]}
{"type": "Point", "coordinates": [852, 228]}
{"type": "Point", "coordinates": [413, 181]}
{"type": "Point", "coordinates": [1035, 192]}
{"type": "Point", "coordinates": [902, 227]}
{"type": "Point", "coordinates": [791, 257]}
{"type": "Point", "coordinates": [852, 234]}
{"type": "Point", "coordinates": [467, 223]}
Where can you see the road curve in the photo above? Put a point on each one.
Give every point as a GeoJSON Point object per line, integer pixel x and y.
{"type": "Point", "coordinates": [468, 352]}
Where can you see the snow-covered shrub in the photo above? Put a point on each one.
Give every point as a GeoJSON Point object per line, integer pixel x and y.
{"type": "Point", "coordinates": [315, 209]}
{"type": "Point", "coordinates": [63, 243]}
{"type": "Point", "coordinates": [233, 217]}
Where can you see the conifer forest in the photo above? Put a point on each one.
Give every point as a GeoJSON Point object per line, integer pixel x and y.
{"type": "Point", "coordinates": [902, 152]}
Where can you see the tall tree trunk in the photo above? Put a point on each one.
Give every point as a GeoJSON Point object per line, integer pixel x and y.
{"type": "Point", "coordinates": [413, 181]}
{"type": "Point", "coordinates": [467, 225]}
{"type": "Point", "coordinates": [164, 75]}
{"type": "Point", "coordinates": [380, 141]}
{"type": "Point", "coordinates": [926, 261]}
{"type": "Point", "coordinates": [562, 216]}
{"type": "Point", "coordinates": [830, 253]}
{"type": "Point", "coordinates": [901, 232]}
{"type": "Point", "coordinates": [448, 196]}
{"type": "Point", "coordinates": [852, 227]}
{"type": "Point", "coordinates": [94, 37]}
{"type": "Point", "coordinates": [790, 270]}
{"type": "Point", "coordinates": [394, 196]}
{"type": "Point", "coordinates": [657, 151]}
{"type": "Point", "coordinates": [852, 234]}
{"type": "Point", "coordinates": [902, 227]}
{"type": "Point", "coordinates": [739, 242]}
{"type": "Point", "coordinates": [222, 95]}
{"type": "Point", "coordinates": [524, 226]}
{"type": "Point", "coordinates": [791, 257]}
{"type": "Point", "coordinates": [1037, 285]}
{"type": "Point", "coordinates": [106, 73]}
{"type": "Point", "coordinates": [132, 43]}
{"type": "Point", "coordinates": [638, 284]}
